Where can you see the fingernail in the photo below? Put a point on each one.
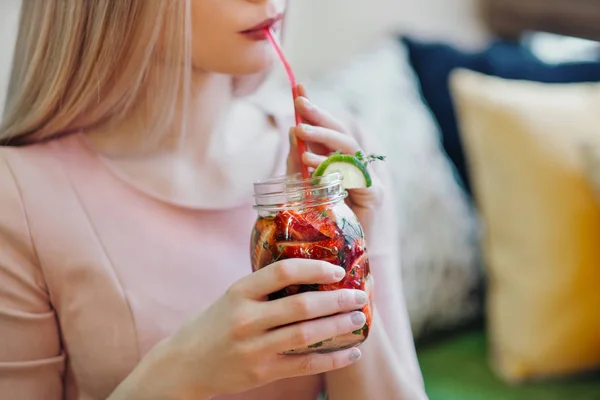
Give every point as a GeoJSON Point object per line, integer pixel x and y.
{"type": "Point", "coordinates": [307, 104]}
{"type": "Point", "coordinates": [360, 298]}
{"type": "Point", "coordinates": [339, 273]}
{"type": "Point", "coordinates": [311, 156]}
{"type": "Point", "coordinates": [354, 355]}
{"type": "Point", "coordinates": [307, 128]}
{"type": "Point", "coordinates": [358, 319]}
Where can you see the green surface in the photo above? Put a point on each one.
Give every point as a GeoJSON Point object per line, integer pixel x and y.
{"type": "Point", "coordinates": [457, 369]}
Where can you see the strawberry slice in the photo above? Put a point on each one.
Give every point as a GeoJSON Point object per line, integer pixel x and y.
{"type": "Point", "coordinates": [324, 219]}
{"type": "Point", "coordinates": [360, 267]}
{"type": "Point", "coordinates": [262, 253]}
{"type": "Point", "coordinates": [324, 250]}
{"type": "Point", "coordinates": [312, 226]}
{"type": "Point", "coordinates": [353, 251]}
{"type": "Point", "coordinates": [368, 309]}
{"type": "Point", "coordinates": [292, 225]}
{"type": "Point", "coordinates": [263, 223]}
{"type": "Point", "coordinates": [260, 225]}
{"type": "Point", "coordinates": [355, 276]}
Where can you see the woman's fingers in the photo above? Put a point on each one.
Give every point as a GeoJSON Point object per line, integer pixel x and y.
{"type": "Point", "coordinates": [326, 137]}
{"type": "Point", "coordinates": [314, 364]}
{"type": "Point", "coordinates": [323, 133]}
{"type": "Point", "coordinates": [302, 90]}
{"type": "Point", "coordinates": [314, 115]}
{"type": "Point", "coordinates": [294, 160]}
{"type": "Point", "coordinates": [279, 275]}
{"type": "Point", "coordinates": [304, 334]}
{"type": "Point", "coordinates": [312, 160]}
{"type": "Point", "coordinates": [311, 305]}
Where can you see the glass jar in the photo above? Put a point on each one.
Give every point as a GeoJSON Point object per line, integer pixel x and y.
{"type": "Point", "coordinates": [299, 218]}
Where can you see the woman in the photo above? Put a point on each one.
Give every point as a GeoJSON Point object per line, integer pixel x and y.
{"type": "Point", "coordinates": [125, 212]}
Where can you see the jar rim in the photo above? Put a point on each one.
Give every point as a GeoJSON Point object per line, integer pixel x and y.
{"type": "Point", "coordinates": [293, 191]}
{"type": "Point", "coordinates": [297, 179]}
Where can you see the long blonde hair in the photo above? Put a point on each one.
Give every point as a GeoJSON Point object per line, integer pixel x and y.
{"type": "Point", "coordinates": [80, 63]}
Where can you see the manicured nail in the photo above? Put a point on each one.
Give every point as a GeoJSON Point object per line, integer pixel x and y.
{"type": "Point", "coordinates": [307, 104]}
{"type": "Point", "coordinates": [358, 319]}
{"type": "Point", "coordinates": [308, 129]}
{"type": "Point", "coordinates": [360, 298]}
{"type": "Point", "coordinates": [311, 157]}
{"type": "Point", "coordinates": [354, 355]}
{"type": "Point", "coordinates": [339, 273]}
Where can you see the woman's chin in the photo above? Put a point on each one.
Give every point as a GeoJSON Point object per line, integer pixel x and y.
{"type": "Point", "coordinates": [248, 64]}
{"type": "Point", "coordinates": [252, 65]}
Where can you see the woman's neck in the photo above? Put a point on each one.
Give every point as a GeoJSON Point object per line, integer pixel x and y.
{"type": "Point", "coordinates": [188, 133]}
{"type": "Point", "coordinates": [207, 157]}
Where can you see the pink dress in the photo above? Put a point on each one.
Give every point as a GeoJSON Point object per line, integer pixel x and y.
{"type": "Point", "coordinates": [94, 272]}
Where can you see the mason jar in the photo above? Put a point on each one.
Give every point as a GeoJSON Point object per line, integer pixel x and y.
{"type": "Point", "coordinates": [309, 218]}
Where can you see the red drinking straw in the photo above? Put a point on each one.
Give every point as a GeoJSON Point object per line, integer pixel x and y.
{"type": "Point", "coordinates": [288, 69]}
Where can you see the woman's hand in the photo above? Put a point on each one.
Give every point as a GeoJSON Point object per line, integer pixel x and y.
{"type": "Point", "coordinates": [324, 135]}
{"type": "Point", "coordinates": [237, 343]}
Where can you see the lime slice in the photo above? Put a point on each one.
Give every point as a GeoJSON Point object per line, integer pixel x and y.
{"type": "Point", "coordinates": [352, 170]}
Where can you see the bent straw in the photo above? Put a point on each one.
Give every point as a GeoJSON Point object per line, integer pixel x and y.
{"type": "Point", "coordinates": [292, 78]}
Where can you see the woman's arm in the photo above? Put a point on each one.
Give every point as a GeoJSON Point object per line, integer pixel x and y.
{"type": "Point", "coordinates": [31, 358]}
{"type": "Point", "coordinates": [388, 368]}
{"type": "Point", "coordinates": [154, 378]}
{"type": "Point", "coordinates": [380, 373]}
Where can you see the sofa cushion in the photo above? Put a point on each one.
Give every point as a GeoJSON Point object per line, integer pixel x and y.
{"type": "Point", "coordinates": [590, 151]}
{"type": "Point", "coordinates": [433, 62]}
{"type": "Point", "coordinates": [541, 220]}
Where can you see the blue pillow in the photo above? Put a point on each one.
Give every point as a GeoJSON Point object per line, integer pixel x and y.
{"type": "Point", "coordinates": [433, 63]}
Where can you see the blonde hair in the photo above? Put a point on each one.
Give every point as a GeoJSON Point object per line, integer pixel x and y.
{"type": "Point", "coordinates": [78, 64]}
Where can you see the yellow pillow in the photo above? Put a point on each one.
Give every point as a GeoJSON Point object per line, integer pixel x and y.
{"type": "Point", "coordinates": [591, 156]}
{"type": "Point", "coordinates": [541, 220]}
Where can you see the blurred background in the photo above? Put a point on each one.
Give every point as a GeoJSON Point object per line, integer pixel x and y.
{"type": "Point", "coordinates": [489, 113]}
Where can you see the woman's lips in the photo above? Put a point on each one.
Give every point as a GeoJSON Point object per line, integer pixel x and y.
{"type": "Point", "coordinates": [255, 35]}
{"type": "Point", "coordinates": [258, 32]}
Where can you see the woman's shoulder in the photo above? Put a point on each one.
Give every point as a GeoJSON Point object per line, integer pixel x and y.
{"type": "Point", "coordinates": [39, 163]}
{"type": "Point", "coordinates": [14, 223]}
{"type": "Point", "coordinates": [27, 321]}
{"type": "Point", "coordinates": [13, 162]}
{"type": "Point", "coordinates": [33, 184]}
{"type": "Point", "coordinates": [29, 175]}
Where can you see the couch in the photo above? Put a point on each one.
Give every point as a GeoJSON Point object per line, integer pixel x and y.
{"type": "Point", "coordinates": [520, 131]}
